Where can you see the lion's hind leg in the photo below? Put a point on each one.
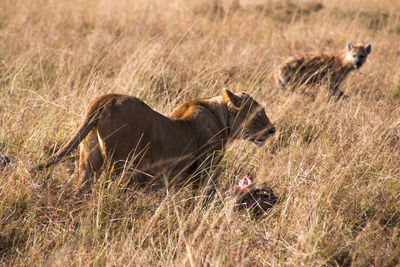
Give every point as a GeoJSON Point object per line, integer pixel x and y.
{"type": "Point", "coordinates": [90, 160]}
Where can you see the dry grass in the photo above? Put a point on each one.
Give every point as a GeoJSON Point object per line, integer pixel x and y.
{"type": "Point", "coordinates": [334, 165]}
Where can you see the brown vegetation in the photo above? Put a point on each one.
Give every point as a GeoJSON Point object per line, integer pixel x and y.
{"type": "Point", "coordinates": [333, 165]}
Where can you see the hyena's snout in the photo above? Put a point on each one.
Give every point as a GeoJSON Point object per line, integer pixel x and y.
{"type": "Point", "coordinates": [358, 61]}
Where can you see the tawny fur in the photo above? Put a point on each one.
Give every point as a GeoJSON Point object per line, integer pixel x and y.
{"type": "Point", "coordinates": [122, 131]}
{"type": "Point", "coordinates": [329, 69]}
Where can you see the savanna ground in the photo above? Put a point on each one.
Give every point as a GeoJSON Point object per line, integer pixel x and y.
{"type": "Point", "coordinates": [334, 165]}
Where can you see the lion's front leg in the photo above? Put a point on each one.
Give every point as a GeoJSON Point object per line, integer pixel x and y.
{"type": "Point", "coordinates": [206, 178]}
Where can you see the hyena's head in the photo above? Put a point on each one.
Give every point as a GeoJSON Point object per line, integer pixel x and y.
{"type": "Point", "coordinates": [357, 54]}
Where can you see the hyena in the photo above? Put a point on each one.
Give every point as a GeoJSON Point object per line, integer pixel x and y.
{"type": "Point", "coordinates": [329, 69]}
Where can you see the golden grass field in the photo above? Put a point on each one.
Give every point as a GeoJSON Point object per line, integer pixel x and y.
{"type": "Point", "coordinates": [335, 165]}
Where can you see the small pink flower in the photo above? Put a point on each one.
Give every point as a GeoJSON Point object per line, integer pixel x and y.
{"type": "Point", "coordinates": [245, 182]}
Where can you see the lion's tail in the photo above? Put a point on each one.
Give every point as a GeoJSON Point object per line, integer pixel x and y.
{"type": "Point", "coordinates": [90, 121]}
{"type": "Point", "coordinates": [72, 144]}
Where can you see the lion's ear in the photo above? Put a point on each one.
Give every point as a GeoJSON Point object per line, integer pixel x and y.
{"type": "Point", "coordinates": [230, 99]}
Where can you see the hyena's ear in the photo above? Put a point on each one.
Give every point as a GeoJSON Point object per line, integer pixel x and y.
{"type": "Point", "coordinates": [231, 100]}
{"type": "Point", "coordinates": [349, 46]}
{"type": "Point", "coordinates": [368, 48]}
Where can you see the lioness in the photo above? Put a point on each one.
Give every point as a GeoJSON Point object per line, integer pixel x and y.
{"type": "Point", "coordinates": [124, 132]}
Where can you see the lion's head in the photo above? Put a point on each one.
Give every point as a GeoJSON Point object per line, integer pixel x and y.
{"type": "Point", "coordinates": [249, 118]}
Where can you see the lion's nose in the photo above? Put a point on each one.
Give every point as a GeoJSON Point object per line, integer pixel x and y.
{"type": "Point", "coordinates": [271, 130]}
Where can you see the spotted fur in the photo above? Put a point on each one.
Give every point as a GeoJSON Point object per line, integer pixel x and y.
{"type": "Point", "coordinates": [317, 69]}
